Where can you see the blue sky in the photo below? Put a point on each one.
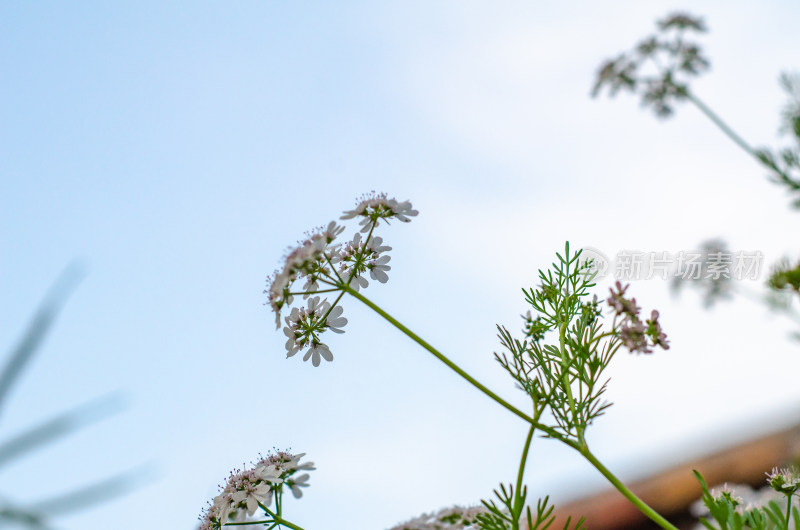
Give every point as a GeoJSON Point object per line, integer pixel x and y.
{"type": "Point", "coordinates": [176, 149]}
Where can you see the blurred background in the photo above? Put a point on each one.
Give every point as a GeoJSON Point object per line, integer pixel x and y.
{"type": "Point", "coordinates": [175, 149]}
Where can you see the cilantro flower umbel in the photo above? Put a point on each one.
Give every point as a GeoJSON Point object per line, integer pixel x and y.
{"type": "Point", "coordinates": [306, 260]}
{"type": "Point", "coordinates": [784, 480]}
{"type": "Point", "coordinates": [329, 267]}
{"type": "Point", "coordinates": [304, 326]}
{"type": "Point", "coordinates": [245, 491]}
{"type": "Point", "coordinates": [361, 255]}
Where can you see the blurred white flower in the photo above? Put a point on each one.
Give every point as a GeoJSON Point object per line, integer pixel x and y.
{"type": "Point", "coordinates": [453, 518]}
{"type": "Point", "coordinates": [295, 483]}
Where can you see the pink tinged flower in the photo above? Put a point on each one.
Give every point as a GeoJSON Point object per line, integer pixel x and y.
{"type": "Point", "coordinates": [632, 333]}
{"type": "Point", "coordinates": [620, 304]}
{"type": "Point", "coordinates": [784, 480]}
{"type": "Point", "coordinates": [655, 332]}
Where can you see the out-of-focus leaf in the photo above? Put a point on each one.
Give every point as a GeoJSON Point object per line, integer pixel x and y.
{"type": "Point", "coordinates": [96, 493]}
{"type": "Point", "coordinates": [19, 517]}
{"type": "Point", "coordinates": [41, 323]}
{"type": "Point", "coordinates": [60, 426]}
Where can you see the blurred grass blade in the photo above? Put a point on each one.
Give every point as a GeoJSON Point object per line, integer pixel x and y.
{"type": "Point", "coordinates": [41, 323]}
{"type": "Point", "coordinates": [97, 493]}
{"type": "Point", "coordinates": [16, 517]}
{"type": "Point", "coordinates": [60, 426]}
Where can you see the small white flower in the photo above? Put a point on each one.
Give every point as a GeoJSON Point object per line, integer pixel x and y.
{"type": "Point", "coordinates": [335, 320]}
{"type": "Point", "coordinates": [378, 268]}
{"type": "Point", "coordinates": [377, 246]}
{"type": "Point", "coordinates": [295, 483]}
{"type": "Point", "coordinates": [332, 231]}
{"type": "Point", "coordinates": [269, 473]}
{"type": "Point", "coordinates": [252, 495]}
{"type": "Point", "coordinates": [316, 351]}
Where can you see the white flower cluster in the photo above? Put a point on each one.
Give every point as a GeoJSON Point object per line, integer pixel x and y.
{"type": "Point", "coordinates": [455, 518]}
{"type": "Point", "coordinates": [316, 260]}
{"type": "Point", "coordinates": [245, 491]}
{"type": "Point", "coordinates": [303, 327]}
{"type": "Point", "coordinates": [359, 256]}
{"type": "Point", "coordinates": [375, 206]}
{"type": "Point", "coordinates": [306, 260]}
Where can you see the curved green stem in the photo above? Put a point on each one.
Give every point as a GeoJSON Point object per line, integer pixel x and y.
{"type": "Point", "coordinates": [416, 338]}
{"type": "Point", "coordinates": [519, 499]}
{"type": "Point", "coordinates": [636, 501]}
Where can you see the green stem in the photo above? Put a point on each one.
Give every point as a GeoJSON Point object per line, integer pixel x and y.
{"type": "Point", "coordinates": [333, 268]}
{"type": "Point", "coordinates": [598, 338]}
{"type": "Point", "coordinates": [562, 341]}
{"type": "Point", "coordinates": [315, 292]}
{"type": "Point", "coordinates": [416, 338]}
{"type": "Point", "coordinates": [781, 175]}
{"type": "Point", "coordinates": [278, 519]}
{"type": "Point", "coordinates": [519, 500]}
{"type": "Point", "coordinates": [636, 501]}
{"type": "Point", "coordinates": [328, 312]}
{"type": "Point", "coordinates": [724, 127]}
{"type": "Point", "coordinates": [788, 509]}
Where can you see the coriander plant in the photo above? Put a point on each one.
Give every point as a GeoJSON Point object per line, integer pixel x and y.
{"type": "Point", "coordinates": [558, 361]}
